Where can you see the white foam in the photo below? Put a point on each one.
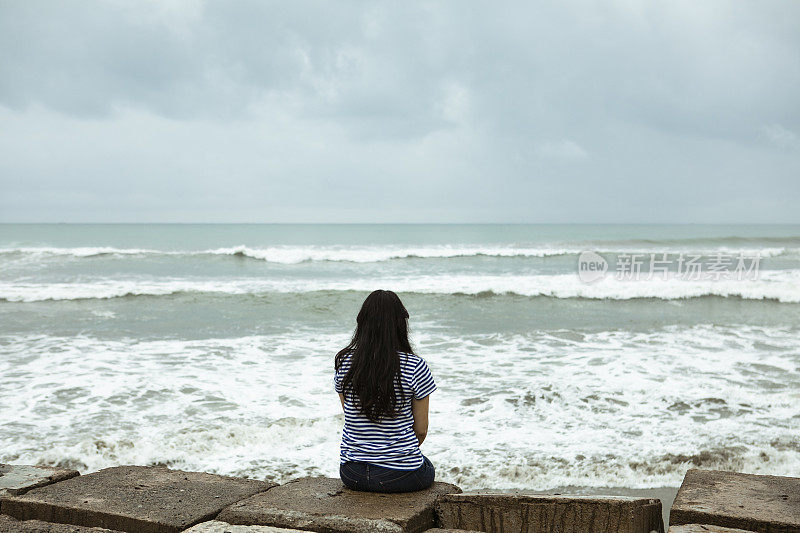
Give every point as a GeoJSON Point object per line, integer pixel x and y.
{"type": "Point", "coordinates": [79, 251]}
{"type": "Point", "coordinates": [372, 254]}
{"type": "Point", "coordinates": [532, 411]}
{"type": "Point", "coordinates": [301, 254]}
{"type": "Point", "coordinates": [778, 285]}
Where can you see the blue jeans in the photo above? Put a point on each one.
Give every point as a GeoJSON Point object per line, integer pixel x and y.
{"type": "Point", "coordinates": [357, 475]}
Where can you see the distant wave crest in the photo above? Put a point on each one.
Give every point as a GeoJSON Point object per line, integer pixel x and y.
{"type": "Point", "coordinates": [780, 286]}
{"type": "Point", "coordinates": [375, 254]}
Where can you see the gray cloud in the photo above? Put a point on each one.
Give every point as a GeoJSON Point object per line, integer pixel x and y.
{"type": "Point", "coordinates": [250, 110]}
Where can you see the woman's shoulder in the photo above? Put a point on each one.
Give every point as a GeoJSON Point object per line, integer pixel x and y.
{"type": "Point", "coordinates": [343, 357]}
{"type": "Point", "coordinates": [410, 359]}
{"type": "Point", "coordinates": [407, 358]}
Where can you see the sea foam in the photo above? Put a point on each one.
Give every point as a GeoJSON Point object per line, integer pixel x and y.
{"type": "Point", "coordinates": [374, 254]}
{"type": "Point", "coordinates": [613, 408]}
{"type": "Point", "coordinates": [778, 285]}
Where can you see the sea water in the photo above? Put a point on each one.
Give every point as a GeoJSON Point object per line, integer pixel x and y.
{"type": "Point", "coordinates": [210, 347]}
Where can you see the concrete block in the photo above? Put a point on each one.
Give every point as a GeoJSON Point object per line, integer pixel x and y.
{"type": "Point", "coordinates": [215, 526]}
{"type": "Point", "coordinates": [744, 501]}
{"type": "Point", "coordinates": [448, 530]}
{"type": "Point", "coordinates": [12, 525]}
{"type": "Point", "coordinates": [528, 513]}
{"type": "Point", "coordinates": [703, 528]}
{"type": "Point", "coordinates": [325, 504]}
{"type": "Point", "coordinates": [18, 479]}
{"type": "Point", "coordinates": [136, 499]}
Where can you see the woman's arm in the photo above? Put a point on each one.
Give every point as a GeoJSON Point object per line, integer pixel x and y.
{"type": "Point", "coordinates": [419, 409]}
{"type": "Point", "coordinates": [341, 398]}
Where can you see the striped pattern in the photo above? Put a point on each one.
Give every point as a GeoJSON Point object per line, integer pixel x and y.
{"type": "Point", "coordinates": [391, 442]}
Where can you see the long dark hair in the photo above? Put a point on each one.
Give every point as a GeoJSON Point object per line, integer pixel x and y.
{"type": "Point", "coordinates": [381, 332]}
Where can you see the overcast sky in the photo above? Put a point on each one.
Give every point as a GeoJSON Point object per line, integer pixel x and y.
{"type": "Point", "coordinates": [293, 111]}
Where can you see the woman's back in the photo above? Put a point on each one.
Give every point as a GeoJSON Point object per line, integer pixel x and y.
{"type": "Point", "coordinates": [389, 442]}
{"type": "Point", "coordinates": [383, 387]}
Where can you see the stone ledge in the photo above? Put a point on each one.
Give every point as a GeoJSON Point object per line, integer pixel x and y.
{"type": "Point", "coordinates": [19, 479]}
{"type": "Point", "coordinates": [704, 528]}
{"type": "Point", "coordinates": [448, 530]}
{"type": "Point", "coordinates": [735, 500]}
{"type": "Point", "coordinates": [12, 525]}
{"type": "Point", "coordinates": [500, 513]}
{"type": "Point", "coordinates": [325, 504]}
{"type": "Point", "coordinates": [135, 499]}
{"type": "Point", "coordinates": [215, 526]}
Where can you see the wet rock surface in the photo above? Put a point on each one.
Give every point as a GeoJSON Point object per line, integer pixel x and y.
{"type": "Point", "coordinates": [447, 530]}
{"type": "Point", "coordinates": [500, 513]}
{"type": "Point", "coordinates": [215, 526]}
{"type": "Point", "coordinates": [325, 504]}
{"type": "Point", "coordinates": [703, 528]}
{"type": "Point", "coordinates": [18, 479]}
{"type": "Point", "coordinates": [135, 499]}
{"type": "Point", "coordinates": [12, 525]}
{"type": "Point", "coordinates": [744, 501]}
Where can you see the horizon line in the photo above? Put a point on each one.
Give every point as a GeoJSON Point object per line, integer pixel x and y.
{"type": "Point", "coordinates": [154, 223]}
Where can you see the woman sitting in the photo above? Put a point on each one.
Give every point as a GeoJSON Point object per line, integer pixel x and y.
{"type": "Point", "coordinates": [384, 389]}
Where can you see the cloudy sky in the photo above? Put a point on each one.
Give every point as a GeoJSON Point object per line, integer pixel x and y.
{"type": "Point", "coordinates": [294, 111]}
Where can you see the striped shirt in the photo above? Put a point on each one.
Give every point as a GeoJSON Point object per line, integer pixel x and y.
{"type": "Point", "coordinates": [389, 442]}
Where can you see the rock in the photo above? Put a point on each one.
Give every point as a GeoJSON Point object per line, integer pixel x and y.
{"type": "Point", "coordinates": [12, 525]}
{"type": "Point", "coordinates": [504, 513]}
{"type": "Point", "coordinates": [703, 528]}
{"type": "Point", "coordinates": [215, 526]}
{"type": "Point", "coordinates": [441, 530]}
{"type": "Point", "coordinates": [735, 500]}
{"type": "Point", "coordinates": [325, 504]}
{"type": "Point", "coordinates": [137, 499]}
{"type": "Point", "coordinates": [19, 479]}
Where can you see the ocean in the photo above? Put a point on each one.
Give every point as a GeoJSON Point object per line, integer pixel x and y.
{"type": "Point", "coordinates": [210, 347]}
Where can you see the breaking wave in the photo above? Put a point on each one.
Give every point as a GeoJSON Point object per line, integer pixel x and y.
{"type": "Point", "coordinates": [374, 254]}
{"type": "Point", "coordinates": [778, 285]}
{"type": "Point", "coordinates": [612, 408]}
